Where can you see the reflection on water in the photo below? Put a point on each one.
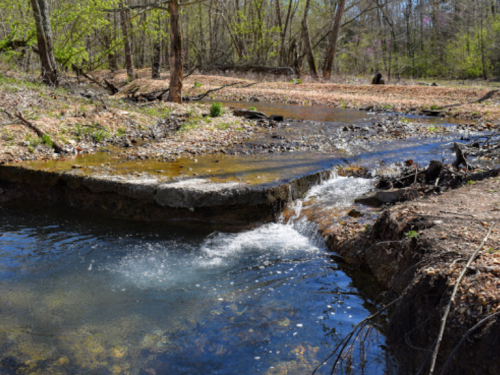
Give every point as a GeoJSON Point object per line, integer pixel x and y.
{"type": "Point", "coordinates": [81, 296]}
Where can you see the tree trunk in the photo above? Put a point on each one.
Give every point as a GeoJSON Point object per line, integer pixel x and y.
{"type": "Point", "coordinates": [332, 49]}
{"type": "Point", "coordinates": [109, 38]}
{"type": "Point", "coordinates": [45, 43]}
{"type": "Point", "coordinates": [155, 68]}
{"type": "Point", "coordinates": [283, 36]}
{"type": "Point", "coordinates": [126, 41]}
{"type": "Point", "coordinates": [176, 73]}
{"type": "Point", "coordinates": [306, 40]}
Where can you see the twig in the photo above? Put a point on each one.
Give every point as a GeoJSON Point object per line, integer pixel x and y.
{"type": "Point", "coordinates": [465, 337]}
{"type": "Point", "coordinates": [452, 299]}
{"type": "Point", "coordinates": [37, 130]}
{"type": "Point", "coordinates": [250, 84]}
{"type": "Point", "coordinates": [347, 338]}
{"type": "Point", "coordinates": [201, 96]}
{"type": "Point", "coordinates": [191, 72]}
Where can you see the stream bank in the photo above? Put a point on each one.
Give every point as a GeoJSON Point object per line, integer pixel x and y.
{"type": "Point", "coordinates": [416, 250]}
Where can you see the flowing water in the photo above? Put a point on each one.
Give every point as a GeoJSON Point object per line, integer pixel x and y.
{"type": "Point", "coordinates": [82, 296]}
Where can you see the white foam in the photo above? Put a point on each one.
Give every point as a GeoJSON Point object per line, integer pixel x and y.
{"type": "Point", "coordinates": [340, 191]}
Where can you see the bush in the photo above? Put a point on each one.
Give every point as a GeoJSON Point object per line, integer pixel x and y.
{"type": "Point", "coordinates": [216, 109]}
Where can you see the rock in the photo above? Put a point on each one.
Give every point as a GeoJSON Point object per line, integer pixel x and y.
{"type": "Point", "coordinates": [77, 166]}
{"type": "Point", "coordinates": [354, 213]}
{"type": "Point", "coordinates": [434, 84]}
{"type": "Point", "coordinates": [381, 197]}
{"type": "Point", "coordinates": [277, 118]}
{"type": "Point", "coordinates": [250, 115]}
{"type": "Point", "coordinates": [1, 191]}
{"type": "Point", "coordinates": [63, 361]}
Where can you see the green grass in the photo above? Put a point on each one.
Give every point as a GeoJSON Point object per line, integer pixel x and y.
{"type": "Point", "coordinates": [121, 132]}
{"type": "Point", "coordinates": [46, 139]}
{"type": "Point", "coordinates": [33, 140]}
{"type": "Point", "coordinates": [411, 234]}
{"type": "Point", "coordinates": [216, 109]}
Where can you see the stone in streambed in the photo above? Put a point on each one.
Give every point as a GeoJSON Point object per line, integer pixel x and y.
{"type": "Point", "coordinates": [381, 197]}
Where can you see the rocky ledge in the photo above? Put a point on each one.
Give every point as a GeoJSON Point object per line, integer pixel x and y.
{"type": "Point", "coordinates": [146, 197]}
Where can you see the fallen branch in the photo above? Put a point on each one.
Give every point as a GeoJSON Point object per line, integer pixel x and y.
{"type": "Point", "coordinates": [111, 87]}
{"type": "Point", "coordinates": [343, 343]}
{"type": "Point", "coordinates": [201, 96]}
{"type": "Point", "coordinates": [466, 336]}
{"type": "Point", "coordinates": [452, 299]}
{"type": "Point", "coordinates": [37, 130]}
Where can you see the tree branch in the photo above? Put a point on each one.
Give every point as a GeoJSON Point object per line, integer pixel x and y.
{"type": "Point", "coordinates": [37, 130]}
{"type": "Point", "coordinates": [452, 299]}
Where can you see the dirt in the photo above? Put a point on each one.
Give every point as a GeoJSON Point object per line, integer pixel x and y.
{"type": "Point", "coordinates": [473, 103]}
{"type": "Point", "coordinates": [416, 251]}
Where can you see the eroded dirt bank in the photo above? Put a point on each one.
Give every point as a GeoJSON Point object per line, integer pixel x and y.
{"type": "Point", "coordinates": [417, 250]}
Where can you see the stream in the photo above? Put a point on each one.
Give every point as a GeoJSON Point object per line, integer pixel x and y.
{"type": "Point", "coordinates": [82, 294]}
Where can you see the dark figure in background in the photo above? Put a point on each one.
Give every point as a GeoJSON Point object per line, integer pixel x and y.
{"type": "Point", "coordinates": [378, 80]}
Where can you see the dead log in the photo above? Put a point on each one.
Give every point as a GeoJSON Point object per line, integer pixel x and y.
{"type": "Point", "coordinates": [284, 71]}
{"type": "Point", "coordinates": [250, 115]}
{"type": "Point", "coordinates": [201, 96]}
{"type": "Point", "coordinates": [433, 171]}
{"type": "Point", "coordinates": [46, 137]}
{"type": "Point", "coordinates": [112, 88]}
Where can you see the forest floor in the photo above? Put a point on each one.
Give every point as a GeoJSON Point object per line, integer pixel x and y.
{"type": "Point", "coordinates": [475, 103]}
{"type": "Point", "coordinates": [84, 117]}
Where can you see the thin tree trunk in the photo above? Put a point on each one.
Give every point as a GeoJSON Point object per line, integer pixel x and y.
{"type": "Point", "coordinates": [109, 37]}
{"type": "Point", "coordinates": [126, 41]}
{"type": "Point", "coordinates": [155, 68]}
{"type": "Point", "coordinates": [283, 35]}
{"type": "Point", "coordinates": [176, 73]}
{"type": "Point", "coordinates": [332, 49]}
{"type": "Point", "coordinates": [306, 40]}
{"type": "Point", "coordinates": [45, 43]}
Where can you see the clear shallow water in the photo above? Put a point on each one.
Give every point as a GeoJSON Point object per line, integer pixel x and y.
{"type": "Point", "coordinates": [92, 296]}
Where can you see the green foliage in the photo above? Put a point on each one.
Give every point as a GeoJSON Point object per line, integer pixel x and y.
{"type": "Point", "coordinates": [491, 250]}
{"type": "Point", "coordinates": [33, 140]}
{"type": "Point", "coordinates": [216, 109]}
{"type": "Point", "coordinates": [99, 135]}
{"type": "Point", "coordinates": [95, 132]}
{"type": "Point", "coordinates": [296, 81]}
{"type": "Point", "coordinates": [46, 139]}
{"type": "Point", "coordinates": [411, 234]}
{"type": "Point", "coordinates": [252, 108]}
{"type": "Point", "coordinates": [471, 182]}
{"type": "Point", "coordinates": [121, 132]}
{"type": "Point", "coordinates": [197, 84]}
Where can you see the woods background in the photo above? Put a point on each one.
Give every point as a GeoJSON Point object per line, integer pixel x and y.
{"type": "Point", "coordinates": [401, 38]}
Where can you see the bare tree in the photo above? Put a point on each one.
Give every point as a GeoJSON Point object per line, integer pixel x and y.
{"type": "Point", "coordinates": [124, 17]}
{"type": "Point", "coordinates": [175, 60]}
{"type": "Point", "coordinates": [306, 42]}
{"type": "Point", "coordinates": [334, 36]}
{"type": "Point", "coordinates": [45, 43]}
